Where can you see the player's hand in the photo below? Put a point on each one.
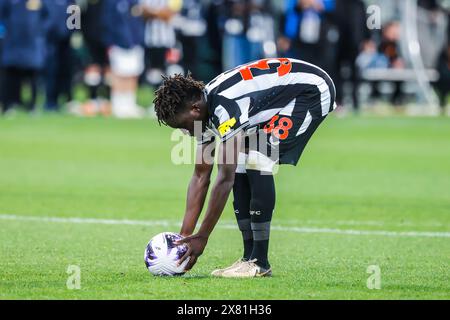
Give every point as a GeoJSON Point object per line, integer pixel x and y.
{"type": "Point", "coordinates": [196, 244]}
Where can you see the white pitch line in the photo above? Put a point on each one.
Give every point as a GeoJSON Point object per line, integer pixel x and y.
{"type": "Point", "coordinates": [168, 223]}
{"type": "Point", "coordinates": [375, 223]}
{"type": "Point", "coordinates": [151, 223]}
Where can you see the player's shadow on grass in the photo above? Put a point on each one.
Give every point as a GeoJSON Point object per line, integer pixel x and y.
{"type": "Point", "coordinates": [184, 277]}
{"type": "Point", "coordinates": [196, 276]}
{"type": "Point", "coordinates": [208, 276]}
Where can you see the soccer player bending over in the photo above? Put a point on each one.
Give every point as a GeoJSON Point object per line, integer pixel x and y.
{"type": "Point", "coordinates": [264, 114]}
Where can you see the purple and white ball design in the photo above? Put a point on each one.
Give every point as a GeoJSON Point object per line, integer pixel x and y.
{"type": "Point", "coordinates": [161, 255]}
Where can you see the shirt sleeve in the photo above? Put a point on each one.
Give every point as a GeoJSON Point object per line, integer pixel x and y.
{"type": "Point", "coordinates": [229, 118]}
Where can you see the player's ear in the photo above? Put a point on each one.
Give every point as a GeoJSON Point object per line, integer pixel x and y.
{"type": "Point", "coordinates": [195, 109]}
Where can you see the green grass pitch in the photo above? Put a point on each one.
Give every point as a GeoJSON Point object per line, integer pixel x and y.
{"type": "Point", "coordinates": [368, 191]}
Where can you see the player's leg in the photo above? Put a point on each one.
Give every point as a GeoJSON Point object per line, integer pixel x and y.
{"type": "Point", "coordinates": [259, 170]}
{"type": "Point", "coordinates": [126, 66]}
{"type": "Point", "coordinates": [262, 205]}
{"type": "Point", "coordinates": [241, 204]}
{"type": "Point", "coordinates": [11, 88]}
{"type": "Point", "coordinates": [33, 78]}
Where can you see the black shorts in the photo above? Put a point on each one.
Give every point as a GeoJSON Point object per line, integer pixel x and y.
{"type": "Point", "coordinates": [284, 137]}
{"type": "Point", "coordinates": [97, 53]}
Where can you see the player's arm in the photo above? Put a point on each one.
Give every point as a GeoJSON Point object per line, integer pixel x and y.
{"type": "Point", "coordinates": [228, 153]}
{"type": "Point", "coordinates": [198, 187]}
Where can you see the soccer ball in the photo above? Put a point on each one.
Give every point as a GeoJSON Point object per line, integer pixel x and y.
{"type": "Point", "coordinates": [161, 255]}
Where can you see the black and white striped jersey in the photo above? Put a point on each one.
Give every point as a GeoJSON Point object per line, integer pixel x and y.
{"type": "Point", "coordinates": [249, 96]}
{"type": "Point", "coordinates": [159, 33]}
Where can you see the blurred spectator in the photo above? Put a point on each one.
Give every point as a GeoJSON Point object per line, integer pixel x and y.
{"type": "Point", "coordinates": [160, 35]}
{"type": "Point", "coordinates": [389, 48]}
{"type": "Point", "coordinates": [309, 34]}
{"type": "Point", "coordinates": [370, 58]}
{"type": "Point", "coordinates": [59, 56]}
{"type": "Point", "coordinates": [192, 28]}
{"type": "Point", "coordinates": [353, 33]}
{"type": "Point", "coordinates": [432, 23]}
{"type": "Point", "coordinates": [247, 25]}
{"type": "Point", "coordinates": [97, 72]}
{"type": "Point", "coordinates": [443, 84]}
{"type": "Point", "coordinates": [389, 45]}
{"type": "Point", "coordinates": [2, 37]}
{"type": "Point", "coordinates": [24, 48]}
{"type": "Point", "coordinates": [124, 35]}
{"type": "Point", "coordinates": [214, 36]}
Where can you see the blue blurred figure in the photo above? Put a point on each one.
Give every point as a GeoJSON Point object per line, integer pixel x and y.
{"type": "Point", "coordinates": [124, 26]}
{"type": "Point", "coordinates": [192, 30]}
{"type": "Point", "coordinates": [59, 55]}
{"type": "Point", "coordinates": [2, 37]}
{"type": "Point", "coordinates": [247, 24]}
{"type": "Point", "coordinates": [307, 33]}
{"type": "Point", "coordinates": [24, 48]}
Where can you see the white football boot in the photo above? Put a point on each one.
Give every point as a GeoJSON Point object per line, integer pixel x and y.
{"type": "Point", "coordinates": [219, 272]}
{"type": "Point", "coordinates": [247, 269]}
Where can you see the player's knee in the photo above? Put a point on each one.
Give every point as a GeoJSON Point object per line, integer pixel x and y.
{"type": "Point", "coordinates": [262, 190]}
{"type": "Point", "coordinates": [257, 205]}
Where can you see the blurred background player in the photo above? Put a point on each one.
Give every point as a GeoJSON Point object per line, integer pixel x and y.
{"type": "Point", "coordinates": [58, 67]}
{"type": "Point", "coordinates": [307, 32]}
{"type": "Point", "coordinates": [247, 25]}
{"type": "Point", "coordinates": [192, 27]}
{"type": "Point", "coordinates": [123, 36]}
{"type": "Point", "coordinates": [350, 19]}
{"type": "Point", "coordinates": [443, 84]}
{"type": "Point", "coordinates": [160, 35]}
{"type": "Point", "coordinates": [24, 49]}
{"type": "Point", "coordinates": [96, 74]}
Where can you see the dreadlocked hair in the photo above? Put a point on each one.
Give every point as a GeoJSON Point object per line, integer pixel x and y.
{"type": "Point", "coordinates": [173, 95]}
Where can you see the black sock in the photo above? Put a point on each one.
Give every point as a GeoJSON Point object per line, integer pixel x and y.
{"type": "Point", "coordinates": [262, 205]}
{"type": "Point", "coordinates": [242, 196]}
